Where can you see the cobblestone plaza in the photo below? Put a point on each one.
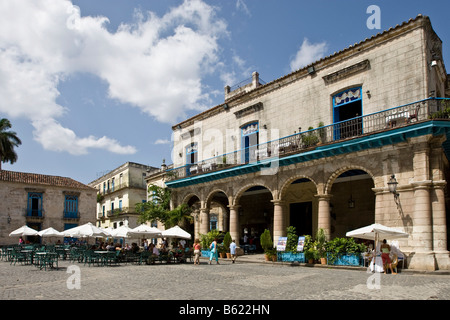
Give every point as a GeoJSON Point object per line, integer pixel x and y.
{"type": "Point", "coordinates": [226, 281]}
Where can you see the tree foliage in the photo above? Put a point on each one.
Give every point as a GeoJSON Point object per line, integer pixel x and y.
{"type": "Point", "coordinates": [158, 209]}
{"type": "Point", "coordinates": [8, 140]}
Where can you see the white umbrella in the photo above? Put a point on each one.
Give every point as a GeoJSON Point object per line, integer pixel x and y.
{"type": "Point", "coordinates": [122, 232]}
{"type": "Point", "coordinates": [375, 231]}
{"type": "Point", "coordinates": [144, 230]}
{"type": "Point", "coordinates": [176, 232]}
{"type": "Point", "coordinates": [50, 232]}
{"type": "Point", "coordinates": [86, 230]}
{"type": "Point", "coordinates": [24, 231]}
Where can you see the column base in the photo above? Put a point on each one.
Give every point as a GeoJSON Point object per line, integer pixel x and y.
{"type": "Point", "coordinates": [422, 261]}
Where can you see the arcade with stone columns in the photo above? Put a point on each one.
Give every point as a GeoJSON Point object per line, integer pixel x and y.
{"type": "Point", "coordinates": [339, 193]}
{"type": "Point", "coordinates": [316, 148]}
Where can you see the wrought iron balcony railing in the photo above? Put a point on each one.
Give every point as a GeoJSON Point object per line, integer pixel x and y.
{"type": "Point", "coordinates": [423, 110]}
{"type": "Point", "coordinates": [71, 214]}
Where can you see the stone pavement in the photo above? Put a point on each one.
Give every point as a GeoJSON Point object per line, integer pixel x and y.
{"type": "Point", "coordinates": [249, 278]}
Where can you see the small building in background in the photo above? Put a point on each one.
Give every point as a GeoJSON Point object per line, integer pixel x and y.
{"type": "Point", "coordinates": [118, 192]}
{"type": "Point", "coordinates": [42, 201]}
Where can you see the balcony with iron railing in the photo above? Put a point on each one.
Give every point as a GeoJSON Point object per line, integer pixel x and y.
{"type": "Point", "coordinates": [302, 142]}
{"type": "Point", "coordinates": [71, 215]}
{"type": "Point", "coordinates": [34, 215]}
{"type": "Point", "coordinates": [119, 211]}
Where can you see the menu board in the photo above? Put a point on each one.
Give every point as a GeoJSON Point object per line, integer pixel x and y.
{"type": "Point", "coordinates": [281, 246]}
{"type": "Point", "coordinates": [301, 244]}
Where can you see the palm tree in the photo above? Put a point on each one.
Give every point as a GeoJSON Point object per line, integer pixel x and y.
{"type": "Point", "coordinates": [8, 140]}
{"type": "Point", "coordinates": [159, 209]}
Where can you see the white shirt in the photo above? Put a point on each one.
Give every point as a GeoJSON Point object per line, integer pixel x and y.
{"type": "Point", "coordinates": [233, 248]}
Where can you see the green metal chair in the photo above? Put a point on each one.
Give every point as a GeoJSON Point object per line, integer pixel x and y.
{"type": "Point", "coordinates": [90, 257]}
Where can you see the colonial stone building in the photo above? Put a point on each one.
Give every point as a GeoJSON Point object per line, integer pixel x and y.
{"type": "Point", "coordinates": [317, 147]}
{"type": "Point", "coordinates": [42, 201]}
{"type": "Point", "coordinates": [118, 192]}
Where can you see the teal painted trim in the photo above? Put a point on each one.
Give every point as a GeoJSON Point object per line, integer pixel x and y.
{"type": "Point", "coordinates": [394, 136]}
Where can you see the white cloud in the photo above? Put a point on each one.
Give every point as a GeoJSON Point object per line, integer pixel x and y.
{"type": "Point", "coordinates": [308, 53]}
{"type": "Point", "coordinates": [240, 5]}
{"type": "Point", "coordinates": [154, 63]}
{"type": "Point", "coordinates": [163, 141]}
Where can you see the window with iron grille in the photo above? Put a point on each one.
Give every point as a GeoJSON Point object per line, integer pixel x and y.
{"type": "Point", "coordinates": [71, 206]}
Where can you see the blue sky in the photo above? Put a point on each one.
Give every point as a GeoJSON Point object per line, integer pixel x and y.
{"type": "Point", "coordinates": [91, 84]}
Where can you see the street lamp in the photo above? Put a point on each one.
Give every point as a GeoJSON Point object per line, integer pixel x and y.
{"type": "Point", "coordinates": [392, 185]}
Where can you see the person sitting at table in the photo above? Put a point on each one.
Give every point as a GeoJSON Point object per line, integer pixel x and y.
{"type": "Point", "coordinates": [179, 253]}
{"type": "Point", "coordinates": [134, 247]}
{"type": "Point", "coordinates": [154, 253]}
{"type": "Point", "coordinates": [163, 248]}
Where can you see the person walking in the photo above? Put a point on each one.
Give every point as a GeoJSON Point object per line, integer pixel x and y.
{"type": "Point", "coordinates": [214, 251]}
{"type": "Point", "coordinates": [197, 252]}
{"type": "Point", "coordinates": [233, 251]}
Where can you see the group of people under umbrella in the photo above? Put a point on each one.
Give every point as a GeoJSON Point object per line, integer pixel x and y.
{"type": "Point", "coordinates": [88, 230]}
{"type": "Point", "coordinates": [372, 232]}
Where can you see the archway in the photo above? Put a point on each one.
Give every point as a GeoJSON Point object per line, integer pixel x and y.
{"type": "Point", "coordinates": [301, 204]}
{"type": "Point", "coordinates": [217, 202]}
{"type": "Point", "coordinates": [193, 202]}
{"type": "Point", "coordinates": [353, 202]}
{"type": "Point", "coordinates": [255, 215]}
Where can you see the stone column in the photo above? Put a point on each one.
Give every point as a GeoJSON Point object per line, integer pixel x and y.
{"type": "Point", "coordinates": [423, 228]}
{"type": "Point", "coordinates": [422, 215]}
{"type": "Point", "coordinates": [204, 220]}
{"type": "Point", "coordinates": [234, 223]}
{"type": "Point", "coordinates": [279, 220]}
{"type": "Point", "coordinates": [196, 215]}
{"type": "Point", "coordinates": [225, 220]}
{"type": "Point", "coordinates": [379, 204]}
{"type": "Point", "coordinates": [324, 221]}
{"type": "Point", "coordinates": [439, 226]}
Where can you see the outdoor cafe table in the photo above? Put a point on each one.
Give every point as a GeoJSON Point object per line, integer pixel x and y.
{"type": "Point", "coordinates": [46, 259]}
{"type": "Point", "coordinates": [28, 255]}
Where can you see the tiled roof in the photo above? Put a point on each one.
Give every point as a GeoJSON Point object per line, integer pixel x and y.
{"type": "Point", "coordinates": [42, 179]}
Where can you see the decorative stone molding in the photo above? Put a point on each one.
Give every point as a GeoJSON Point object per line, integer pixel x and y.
{"type": "Point", "coordinates": [249, 110]}
{"type": "Point", "coordinates": [347, 72]}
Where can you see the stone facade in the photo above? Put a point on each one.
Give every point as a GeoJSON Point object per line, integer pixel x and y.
{"type": "Point", "coordinates": [378, 89]}
{"type": "Point", "coordinates": [42, 201]}
{"type": "Point", "coordinates": [117, 194]}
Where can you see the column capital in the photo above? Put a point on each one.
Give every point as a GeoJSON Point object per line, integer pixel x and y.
{"type": "Point", "coordinates": [204, 210]}
{"type": "Point", "coordinates": [323, 197]}
{"type": "Point", "coordinates": [278, 202]}
{"type": "Point", "coordinates": [234, 207]}
{"type": "Point", "coordinates": [439, 184]}
{"type": "Point", "coordinates": [425, 184]}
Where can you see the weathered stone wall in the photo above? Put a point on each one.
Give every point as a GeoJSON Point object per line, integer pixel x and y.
{"type": "Point", "coordinates": [14, 204]}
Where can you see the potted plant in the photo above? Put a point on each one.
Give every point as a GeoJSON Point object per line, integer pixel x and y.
{"type": "Point", "coordinates": [320, 246]}
{"type": "Point", "coordinates": [322, 132]}
{"type": "Point", "coordinates": [310, 138]}
{"type": "Point", "coordinates": [266, 243]}
{"type": "Point", "coordinates": [226, 242]}
{"type": "Point", "coordinates": [309, 249]}
{"type": "Point", "coordinates": [271, 255]}
{"type": "Point", "coordinates": [311, 255]}
{"type": "Point", "coordinates": [344, 251]}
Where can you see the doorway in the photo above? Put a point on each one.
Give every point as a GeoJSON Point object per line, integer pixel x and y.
{"type": "Point", "coordinates": [301, 217]}
{"type": "Point", "coordinates": [347, 112]}
{"type": "Point", "coordinates": [249, 142]}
